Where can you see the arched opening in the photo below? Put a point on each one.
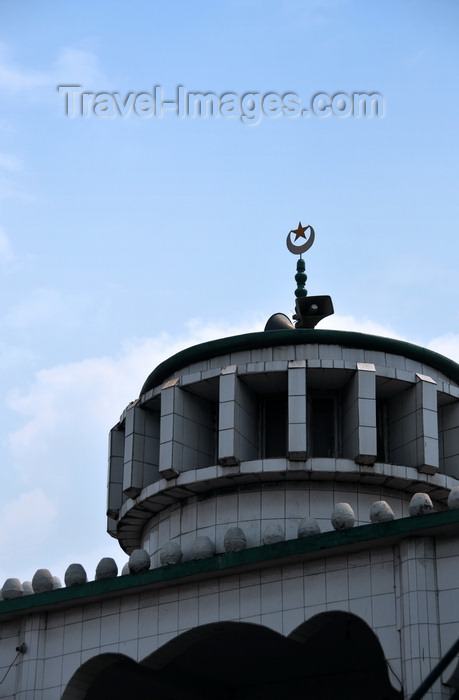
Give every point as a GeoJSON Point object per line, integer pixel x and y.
{"type": "Point", "coordinates": [333, 656]}
{"type": "Point", "coordinates": [83, 679]}
{"type": "Point", "coordinates": [347, 658]}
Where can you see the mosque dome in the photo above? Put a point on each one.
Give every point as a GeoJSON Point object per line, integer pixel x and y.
{"type": "Point", "coordinates": [355, 418]}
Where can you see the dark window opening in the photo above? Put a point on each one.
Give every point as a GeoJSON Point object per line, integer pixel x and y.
{"type": "Point", "coordinates": [382, 435]}
{"type": "Point", "coordinates": [274, 420]}
{"type": "Point", "coordinates": [323, 426]}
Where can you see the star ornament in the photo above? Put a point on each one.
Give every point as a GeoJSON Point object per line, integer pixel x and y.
{"type": "Point", "coordinates": [299, 232]}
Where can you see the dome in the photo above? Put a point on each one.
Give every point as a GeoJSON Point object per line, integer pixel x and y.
{"type": "Point", "coordinates": [304, 409]}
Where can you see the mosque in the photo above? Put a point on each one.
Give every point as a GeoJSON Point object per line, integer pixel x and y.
{"type": "Point", "coordinates": [289, 501]}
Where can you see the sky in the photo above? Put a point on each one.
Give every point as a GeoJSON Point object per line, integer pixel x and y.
{"type": "Point", "coordinates": [127, 235]}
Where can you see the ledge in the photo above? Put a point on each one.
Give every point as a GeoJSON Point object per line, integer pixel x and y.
{"type": "Point", "coordinates": [134, 513]}
{"type": "Point", "coordinates": [280, 554]}
{"type": "Point", "coordinates": [250, 341]}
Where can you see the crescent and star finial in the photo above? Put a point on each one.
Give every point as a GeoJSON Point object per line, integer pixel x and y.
{"type": "Point", "coordinates": [300, 233]}
{"type": "Point", "coordinates": [308, 310]}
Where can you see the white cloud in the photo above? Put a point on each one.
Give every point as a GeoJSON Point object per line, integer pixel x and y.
{"type": "Point", "coordinates": [72, 65]}
{"type": "Point", "coordinates": [30, 513]}
{"type": "Point", "coordinates": [27, 521]}
{"type": "Point", "coordinates": [15, 78]}
{"type": "Point", "coordinates": [79, 67]}
{"type": "Point", "coordinates": [350, 323]}
{"type": "Point", "coordinates": [60, 450]}
{"type": "Point", "coordinates": [447, 344]}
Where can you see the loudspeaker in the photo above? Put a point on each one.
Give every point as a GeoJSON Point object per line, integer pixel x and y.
{"type": "Point", "coordinates": [311, 310]}
{"type": "Point", "coordinates": [279, 322]}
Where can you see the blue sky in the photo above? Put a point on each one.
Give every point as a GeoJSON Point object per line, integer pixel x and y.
{"type": "Point", "coordinates": [123, 240]}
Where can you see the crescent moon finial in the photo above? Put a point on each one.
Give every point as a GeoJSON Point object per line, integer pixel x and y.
{"type": "Point", "coordinates": [299, 233]}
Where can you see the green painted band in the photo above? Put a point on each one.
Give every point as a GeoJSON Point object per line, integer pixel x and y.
{"type": "Point", "coordinates": [264, 339]}
{"type": "Point", "coordinates": [281, 553]}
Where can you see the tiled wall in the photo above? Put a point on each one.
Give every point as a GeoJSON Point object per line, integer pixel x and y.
{"type": "Point", "coordinates": [359, 416]}
{"type": "Point", "coordinates": [141, 449]}
{"type": "Point", "coordinates": [188, 431]}
{"type": "Point", "coordinates": [297, 402]}
{"type": "Point", "coordinates": [393, 590]}
{"type": "Point", "coordinates": [253, 508]}
{"type": "Point", "coordinates": [447, 567]}
{"type": "Point", "coordinates": [413, 426]}
{"type": "Point", "coordinates": [419, 621]}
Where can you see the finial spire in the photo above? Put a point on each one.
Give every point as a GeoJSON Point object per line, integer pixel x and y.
{"type": "Point", "coordinates": [300, 276]}
{"type": "Point", "coordinates": [308, 311]}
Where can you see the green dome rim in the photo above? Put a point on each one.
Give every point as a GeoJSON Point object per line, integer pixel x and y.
{"type": "Point", "coordinates": [276, 338]}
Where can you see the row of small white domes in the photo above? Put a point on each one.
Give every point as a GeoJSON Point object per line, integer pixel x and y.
{"type": "Point", "coordinates": [235, 540]}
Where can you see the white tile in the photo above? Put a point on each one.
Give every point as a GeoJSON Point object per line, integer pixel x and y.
{"type": "Point", "coordinates": [291, 619]}
{"type": "Point", "coordinates": [70, 664]}
{"type": "Point", "coordinates": [229, 604]}
{"type": "Point", "coordinates": [129, 649]}
{"type": "Point", "coordinates": [250, 601]}
{"type": "Point", "coordinates": [359, 578]}
{"type": "Point", "coordinates": [190, 590]}
{"type": "Point", "coordinates": [272, 504]}
{"type": "Point", "coordinates": [229, 583]}
{"type": "Point", "coordinates": [188, 614]}
{"type": "Point", "coordinates": [129, 625]}
{"type": "Point", "coordinates": [52, 672]}
{"type": "Point", "coordinates": [168, 595]}
{"type": "Point", "coordinates": [168, 617]}
{"type": "Point", "coordinates": [110, 607]}
{"type": "Point", "coordinates": [54, 641]}
{"type": "Point", "coordinates": [362, 608]}
{"type": "Point", "coordinates": [383, 610]}
{"type": "Point", "coordinates": [338, 563]}
{"type": "Point", "coordinates": [165, 637]}
{"type": "Point", "coordinates": [336, 586]}
{"type": "Point", "coordinates": [249, 506]}
{"type": "Point", "coordinates": [72, 638]}
{"type": "Point", "coordinates": [317, 566]}
{"type": "Point", "coordinates": [208, 587]}
{"type": "Point", "coordinates": [145, 647]}
{"type": "Point", "coordinates": [271, 597]}
{"type": "Point", "coordinates": [56, 620]}
{"type": "Point", "coordinates": [188, 518]}
{"type": "Point", "coordinates": [297, 503]}
{"type": "Point", "coordinates": [252, 532]}
{"type": "Point", "coordinates": [382, 578]}
{"type": "Point", "coordinates": [251, 578]}
{"type": "Point", "coordinates": [109, 630]}
{"type": "Point", "coordinates": [273, 621]}
{"type": "Point", "coordinates": [91, 634]}
{"type": "Point", "coordinates": [292, 593]}
{"type": "Point", "coordinates": [148, 621]}
{"type": "Point", "coordinates": [208, 608]}
{"type": "Point", "coordinates": [148, 599]}
{"type": "Point", "coordinates": [321, 504]}
{"type": "Point", "coordinates": [227, 508]}
{"type": "Point", "coordinates": [448, 606]}
{"type": "Point", "coordinates": [314, 590]}
{"type": "Point", "coordinates": [447, 572]}
{"type": "Point", "coordinates": [272, 574]}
